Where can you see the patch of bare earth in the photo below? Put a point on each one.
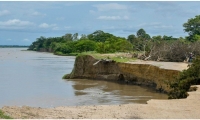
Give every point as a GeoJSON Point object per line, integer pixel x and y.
{"type": "Point", "coordinates": [165, 65]}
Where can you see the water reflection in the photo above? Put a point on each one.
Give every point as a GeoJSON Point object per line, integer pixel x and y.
{"type": "Point", "coordinates": [109, 92]}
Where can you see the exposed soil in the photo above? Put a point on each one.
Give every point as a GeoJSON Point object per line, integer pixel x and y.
{"type": "Point", "coordinates": [165, 65]}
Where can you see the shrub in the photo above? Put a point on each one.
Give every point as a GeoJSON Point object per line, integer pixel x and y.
{"type": "Point", "coordinates": [3, 116]}
{"type": "Point", "coordinates": [188, 77]}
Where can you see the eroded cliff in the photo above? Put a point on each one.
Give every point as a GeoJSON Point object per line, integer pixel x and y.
{"type": "Point", "coordinates": [139, 74]}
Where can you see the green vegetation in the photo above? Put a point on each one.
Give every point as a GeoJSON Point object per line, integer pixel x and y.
{"type": "Point", "coordinates": [188, 77]}
{"type": "Point", "coordinates": [3, 116]}
{"type": "Point", "coordinates": [118, 57]}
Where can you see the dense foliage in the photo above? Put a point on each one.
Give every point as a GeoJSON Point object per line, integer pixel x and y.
{"type": "Point", "coordinates": [192, 26]}
{"type": "Point", "coordinates": [98, 41]}
{"type": "Point", "coordinates": [188, 77]}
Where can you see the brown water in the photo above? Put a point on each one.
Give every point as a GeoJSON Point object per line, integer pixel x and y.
{"type": "Point", "coordinates": [35, 79]}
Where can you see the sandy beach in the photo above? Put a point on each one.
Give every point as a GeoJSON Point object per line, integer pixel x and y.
{"type": "Point", "coordinates": [176, 108]}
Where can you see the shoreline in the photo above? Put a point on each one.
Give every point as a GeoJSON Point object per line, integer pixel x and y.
{"type": "Point", "coordinates": [162, 109]}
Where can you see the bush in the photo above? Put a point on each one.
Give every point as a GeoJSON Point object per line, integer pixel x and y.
{"type": "Point", "coordinates": [188, 77]}
{"type": "Point", "coordinates": [3, 116]}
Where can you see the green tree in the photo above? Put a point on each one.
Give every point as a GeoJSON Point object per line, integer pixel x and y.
{"type": "Point", "coordinates": [99, 36]}
{"type": "Point", "coordinates": [68, 37]}
{"type": "Point", "coordinates": [157, 38]}
{"type": "Point", "coordinates": [75, 36]}
{"type": "Point", "coordinates": [192, 26]}
{"type": "Point", "coordinates": [85, 45]}
{"type": "Point", "coordinates": [83, 37]}
{"type": "Point", "coordinates": [141, 33]}
{"type": "Point", "coordinates": [131, 38]}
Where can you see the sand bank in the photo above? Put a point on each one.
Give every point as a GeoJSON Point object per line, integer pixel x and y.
{"type": "Point", "coordinates": [176, 108]}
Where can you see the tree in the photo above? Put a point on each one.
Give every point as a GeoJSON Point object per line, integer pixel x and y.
{"type": "Point", "coordinates": [157, 38]}
{"type": "Point", "coordinates": [141, 33]}
{"type": "Point", "coordinates": [85, 45]}
{"type": "Point", "coordinates": [131, 38]}
{"type": "Point", "coordinates": [68, 37]}
{"type": "Point", "coordinates": [75, 36]}
{"type": "Point", "coordinates": [192, 26]}
{"type": "Point", "coordinates": [83, 37]}
{"type": "Point", "coordinates": [99, 36]}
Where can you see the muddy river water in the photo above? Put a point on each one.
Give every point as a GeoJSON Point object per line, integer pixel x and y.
{"type": "Point", "coordinates": [35, 79]}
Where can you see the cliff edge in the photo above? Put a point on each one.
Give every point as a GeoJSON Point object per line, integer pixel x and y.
{"type": "Point", "coordinates": [150, 75]}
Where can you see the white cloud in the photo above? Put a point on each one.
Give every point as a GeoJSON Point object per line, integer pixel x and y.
{"type": "Point", "coordinates": [110, 6]}
{"type": "Point", "coordinates": [60, 18]}
{"type": "Point", "coordinates": [26, 40]}
{"type": "Point", "coordinates": [113, 18]}
{"type": "Point", "coordinates": [4, 12]}
{"type": "Point", "coordinates": [67, 27]}
{"type": "Point", "coordinates": [38, 14]}
{"type": "Point", "coordinates": [155, 25]}
{"type": "Point", "coordinates": [9, 39]}
{"type": "Point", "coordinates": [92, 12]}
{"type": "Point", "coordinates": [45, 25]}
{"type": "Point", "coordinates": [56, 28]}
{"type": "Point", "coordinates": [15, 24]}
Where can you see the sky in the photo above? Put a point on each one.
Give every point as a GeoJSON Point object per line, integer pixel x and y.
{"type": "Point", "coordinates": [22, 22]}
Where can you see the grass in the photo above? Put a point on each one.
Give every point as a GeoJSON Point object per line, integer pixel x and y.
{"type": "Point", "coordinates": [118, 57]}
{"type": "Point", "coordinates": [3, 116]}
{"type": "Point", "coordinates": [68, 54]}
{"type": "Point", "coordinates": [123, 59]}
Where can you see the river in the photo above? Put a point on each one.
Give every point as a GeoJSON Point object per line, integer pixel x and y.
{"type": "Point", "coordinates": [35, 79]}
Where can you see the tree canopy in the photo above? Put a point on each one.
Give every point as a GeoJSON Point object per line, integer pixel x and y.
{"type": "Point", "coordinates": [192, 26]}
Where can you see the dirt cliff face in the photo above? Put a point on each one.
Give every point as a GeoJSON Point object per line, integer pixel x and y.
{"type": "Point", "coordinates": [139, 74]}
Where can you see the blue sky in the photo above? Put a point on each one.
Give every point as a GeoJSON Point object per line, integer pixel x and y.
{"type": "Point", "coordinates": [22, 22]}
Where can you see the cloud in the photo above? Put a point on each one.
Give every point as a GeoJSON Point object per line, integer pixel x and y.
{"type": "Point", "coordinates": [56, 28]}
{"type": "Point", "coordinates": [92, 12]}
{"type": "Point", "coordinates": [45, 25]}
{"type": "Point", "coordinates": [38, 14]}
{"type": "Point", "coordinates": [110, 6]}
{"type": "Point", "coordinates": [67, 27]}
{"type": "Point", "coordinates": [4, 12]}
{"type": "Point", "coordinates": [15, 24]}
{"type": "Point", "coordinates": [60, 18]}
{"type": "Point", "coordinates": [26, 40]}
{"type": "Point", "coordinates": [157, 25]}
{"type": "Point", "coordinates": [113, 18]}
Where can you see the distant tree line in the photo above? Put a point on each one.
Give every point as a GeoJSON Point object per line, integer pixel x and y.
{"type": "Point", "coordinates": [13, 46]}
{"type": "Point", "coordinates": [141, 45]}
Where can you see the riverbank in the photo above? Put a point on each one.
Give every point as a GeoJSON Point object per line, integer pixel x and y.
{"type": "Point", "coordinates": [188, 108]}
{"type": "Point", "coordinates": [153, 74]}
